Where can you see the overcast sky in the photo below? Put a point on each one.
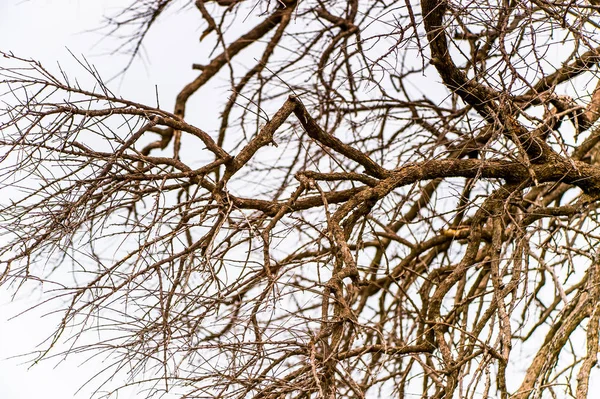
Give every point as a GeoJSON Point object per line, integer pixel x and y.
{"type": "Point", "coordinates": [43, 30]}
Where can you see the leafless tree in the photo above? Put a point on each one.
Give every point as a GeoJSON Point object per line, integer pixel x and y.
{"type": "Point", "coordinates": [398, 199]}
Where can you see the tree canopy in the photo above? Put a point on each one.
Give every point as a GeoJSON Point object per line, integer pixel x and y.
{"type": "Point", "coordinates": [396, 199]}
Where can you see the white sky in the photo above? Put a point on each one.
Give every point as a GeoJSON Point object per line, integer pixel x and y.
{"type": "Point", "coordinates": [43, 30]}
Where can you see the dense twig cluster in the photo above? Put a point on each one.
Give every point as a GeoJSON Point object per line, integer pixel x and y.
{"type": "Point", "coordinates": [400, 200]}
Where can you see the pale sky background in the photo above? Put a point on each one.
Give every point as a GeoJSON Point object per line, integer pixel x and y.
{"type": "Point", "coordinates": [43, 30]}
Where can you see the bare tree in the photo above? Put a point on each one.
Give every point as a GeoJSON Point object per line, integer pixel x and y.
{"type": "Point", "coordinates": [399, 199]}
